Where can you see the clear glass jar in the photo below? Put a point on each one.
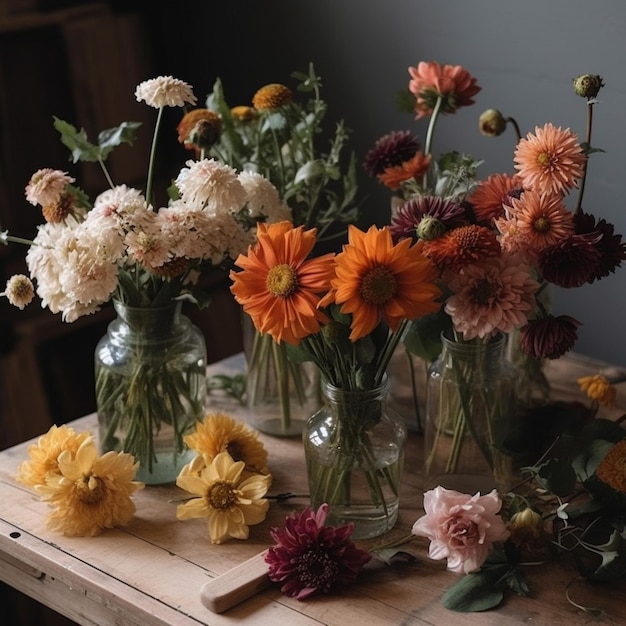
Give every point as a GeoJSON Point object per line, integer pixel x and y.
{"type": "Point", "coordinates": [354, 450]}
{"type": "Point", "coordinates": [150, 371]}
{"type": "Point", "coordinates": [280, 395]}
{"type": "Point", "coordinates": [470, 408]}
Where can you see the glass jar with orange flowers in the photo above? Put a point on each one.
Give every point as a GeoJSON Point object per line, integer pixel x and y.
{"type": "Point", "coordinates": [346, 313]}
{"type": "Point", "coordinates": [498, 243]}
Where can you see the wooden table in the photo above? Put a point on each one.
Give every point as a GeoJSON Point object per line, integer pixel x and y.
{"type": "Point", "coordinates": [151, 572]}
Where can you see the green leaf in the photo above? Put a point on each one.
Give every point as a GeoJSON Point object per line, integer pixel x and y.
{"type": "Point", "coordinates": [557, 476]}
{"type": "Point", "coordinates": [112, 137]}
{"type": "Point", "coordinates": [473, 592]}
{"type": "Point", "coordinates": [585, 463]}
{"type": "Point", "coordinates": [423, 336]}
{"type": "Point", "coordinates": [77, 142]}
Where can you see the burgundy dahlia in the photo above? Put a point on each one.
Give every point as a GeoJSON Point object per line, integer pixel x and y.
{"type": "Point", "coordinates": [391, 150]}
{"type": "Point", "coordinates": [311, 558]}
{"type": "Point", "coordinates": [571, 262]}
{"type": "Point", "coordinates": [549, 337]}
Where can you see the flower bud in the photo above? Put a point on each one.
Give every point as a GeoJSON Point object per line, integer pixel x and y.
{"type": "Point", "coordinates": [587, 85]}
{"type": "Point", "coordinates": [491, 123]}
{"type": "Point", "coordinates": [529, 536]}
{"type": "Point", "coordinates": [430, 228]}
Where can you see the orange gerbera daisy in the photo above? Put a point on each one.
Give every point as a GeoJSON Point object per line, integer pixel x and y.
{"type": "Point", "coordinates": [278, 287]}
{"type": "Point", "coordinates": [488, 198]}
{"type": "Point", "coordinates": [415, 168]}
{"type": "Point", "coordinates": [542, 219]}
{"type": "Point", "coordinates": [376, 280]}
{"type": "Point", "coordinates": [551, 160]}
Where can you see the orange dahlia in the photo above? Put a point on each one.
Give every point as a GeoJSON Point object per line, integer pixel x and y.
{"type": "Point", "coordinates": [376, 280]}
{"type": "Point", "coordinates": [491, 194]}
{"type": "Point", "coordinates": [430, 81]}
{"type": "Point", "coordinates": [415, 168]}
{"type": "Point", "coordinates": [271, 97]}
{"type": "Point", "coordinates": [278, 287]}
{"type": "Point", "coordinates": [551, 160]}
{"type": "Point", "coordinates": [612, 468]}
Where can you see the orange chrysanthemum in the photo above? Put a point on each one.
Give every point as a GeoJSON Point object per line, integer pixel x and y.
{"type": "Point", "coordinates": [272, 97]}
{"type": "Point", "coordinates": [551, 160]}
{"type": "Point", "coordinates": [612, 468]}
{"type": "Point", "coordinates": [199, 129]}
{"type": "Point", "coordinates": [430, 80]}
{"type": "Point", "coordinates": [244, 113]}
{"type": "Point", "coordinates": [462, 246]}
{"type": "Point", "coordinates": [376, 280]}
{"type": "Point", "coordinates": [488, 198]}
{"type": "Point", "coordinates": [542, 219]}
{"type": "Point", "coordinates": [415, 168]}
{"type": "Point", "coordinates": [278, 287]}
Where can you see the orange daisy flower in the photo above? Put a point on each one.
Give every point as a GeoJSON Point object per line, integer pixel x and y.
{"type": "Point", "coordinates": [542, 219]}
{"type": "Point", "coordinates": [488, 198]}
{"type": "Point", "coordinates": [277, 287]}
{"type": "Point", "coordinates": [376, 280]}
{"type": "Point", "coordinates": [415, 168]}
{"type": "Point", "coordinates": [551, 160]}
{"type": "Point", "coordinates": [431, 80]}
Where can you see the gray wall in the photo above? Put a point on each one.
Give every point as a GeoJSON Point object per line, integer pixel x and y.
{"type": "Point", "coordinates": [524, 55]}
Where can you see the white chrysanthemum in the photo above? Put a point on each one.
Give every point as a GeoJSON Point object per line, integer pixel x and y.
{"type": "Point", "coordinates": [19, 291]}
{"type": "Point", "coordinates": [212, 186]}
{"type": "Point", "coordinates": [151, 247]}
{"type": "Point", "coordinates": [165, 91]}
{"type": "Point", "coordinates": [230, 238]}
{"type": "Point", "coordinates": [263, 198]}
{"type": "Point", "coordinates": [125, 205]}
{"type": "Point", "coordinates": [46, 186]}
{"type": "Point", "coordinates": [186, 230]}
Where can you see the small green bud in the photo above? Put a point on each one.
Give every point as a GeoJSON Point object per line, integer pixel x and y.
{"type": "Point", "coordinates": [492, 123]}
{"type": "Point", "coordinates": [587, 85]}
{"type": "Point", "coordinates": [430, 228]}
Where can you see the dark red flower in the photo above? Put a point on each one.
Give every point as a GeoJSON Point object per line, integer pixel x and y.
{"type": "Point", "coordinates": [549, 337]}
{"type": "Point", "coordinates": [311, 558]}
{"type": "Point", "coordinates": [391, 150]}
{"type": "Point", "coordinates": [443, 215]}
{"type": "Point", "coordinates": [610, 245]}
{"type": "Point", "coordinates": [571, 262]}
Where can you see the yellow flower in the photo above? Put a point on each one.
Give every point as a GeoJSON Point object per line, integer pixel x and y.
{"type": "Point", "coordinates": [44, 454]}
{"type": "Point", "coordinates": [612, 468]}
{"type": "Point", "coordinates": [272, 97]}
{"type": "Point", "coordinates": [230, 503]}
{"type": "Point", "coordinates": [90, 492]}
{"type": "Point", "coordinates": [219, 432]}
{"type": "Point", "coordinates": [598, 388]}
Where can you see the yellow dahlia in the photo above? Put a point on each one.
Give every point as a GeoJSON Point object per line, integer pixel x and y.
{"type": "Point", "coordinates": [45, 453]}
{"type": "Point", "coordinates": [231, 502]}
{"type": "Point", "coordinates": [219, 432]}
{"type": "Point", "coordinates": [376, 280]}
{"type": "Point", "coordinates": [598, 388]}
{"type": "Point", "coordinates": [272, 97]}
{"type": "Point", "coordinates": [278, 287]}
{"type": "Point", "coordinates": [90, 493]}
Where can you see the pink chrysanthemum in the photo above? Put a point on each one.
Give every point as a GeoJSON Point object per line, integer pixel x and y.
{"type": "Point", "coordinates": [549, 337]}
{"type": "Point", "coordinates": [542, 219]}
{"type": "Point", "coordinates": [571, 262]}
{"type": "Point", "coordinates": [551, 160]}
{"type": "Point", "coordinates": [46, 186]}
{"type": "Point", "coordinates": [311, 558]}
{"type": "Point", "coordinates": [390, 150]}
{"type": "Point", "coordinates": [426, 217]}
{"type": "Point", "coordinates": [495, 295]}
{"type": "Point", "coordinates": [488, 199]}
{"type": "Point", "coordinates": [430, 80]}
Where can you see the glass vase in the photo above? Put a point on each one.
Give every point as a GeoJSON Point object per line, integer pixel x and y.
{"type": "Point", "coordinates": [354, 450]}
{"type": "Point", "coordinates": [470, 408]}
{"type": "Point", "coordinates": [280, 394]}
{"type": "Point", "coordinates": [150, 371]}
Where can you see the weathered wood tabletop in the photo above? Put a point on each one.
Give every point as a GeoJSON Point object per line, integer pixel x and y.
{"type": "Point", "coordinates": [152, 571]}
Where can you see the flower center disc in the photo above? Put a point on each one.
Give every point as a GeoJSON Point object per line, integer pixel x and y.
{"type": "Point", "coordinates": [378, 286]}
{"type": "Point", "coordinates": [281, 280]}
{"type": "Point", "coordinates": [221, 496]}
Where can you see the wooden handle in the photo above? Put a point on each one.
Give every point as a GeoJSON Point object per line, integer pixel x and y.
{"type": "Point", "coordinates": [236, 585]}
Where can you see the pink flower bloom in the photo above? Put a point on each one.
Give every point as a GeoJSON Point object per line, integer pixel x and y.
{"type": "Point", "coordinates": [461, 528]}
{"type": "Point", "coordinates": [312, 558]}
{"type": "Point", "coordinates": [431, 80]}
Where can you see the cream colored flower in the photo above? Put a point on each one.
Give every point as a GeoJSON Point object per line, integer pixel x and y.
{"type": "Point", "coordinates": [46, 186]}
{"type": "Point", "coordinates": [165, 91]}
{"type": "Point", "coordinates": [230, 503]}
{"type": "Point", "coordinates": [19, 291]}
{"type": "Point", "coordinates": [91, 492]}
{"type": "Point", "coordinates": [44, 454]}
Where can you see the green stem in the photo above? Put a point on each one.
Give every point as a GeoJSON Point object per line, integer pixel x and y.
{"type": "Point", "coordinates": [431, 130]}
{"type": "Point", "coordinates": [579, 203]}
{"type": "Point", "coordinates": [150, 177]}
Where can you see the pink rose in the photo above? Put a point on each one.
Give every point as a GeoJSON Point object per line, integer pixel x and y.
{"type": "Point", "coordinates": [461, 528]}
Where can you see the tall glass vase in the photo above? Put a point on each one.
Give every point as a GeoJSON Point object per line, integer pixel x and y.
{"type": "Point", "coordinates": [354, 450]}
{"type": "Point", "coordinates": [470, 405]}
{"type": "Point", "coordinates": [150, 371]}
{"type": "Point", "coordinates": [280, 394]}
